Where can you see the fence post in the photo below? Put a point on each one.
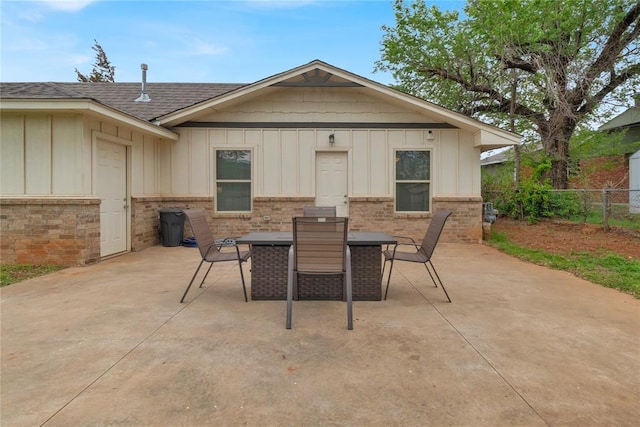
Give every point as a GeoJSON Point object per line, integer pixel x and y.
{"type": "Point", "coordinates": [605, 208]}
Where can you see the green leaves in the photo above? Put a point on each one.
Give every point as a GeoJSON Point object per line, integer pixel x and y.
{"type": "Point", "coordinates": [565, 59]}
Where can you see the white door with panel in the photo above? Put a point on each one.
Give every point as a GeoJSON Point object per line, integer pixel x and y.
{"type": "Point", "coordinates": [112, 191]}
{"type": "Point", "coordinates": [332, 181]}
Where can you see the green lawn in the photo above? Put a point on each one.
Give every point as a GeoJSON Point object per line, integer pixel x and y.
{"type": "Point", "coordinates": [607, 269]}
{"type": "Point", "coordinates": [13, 273]}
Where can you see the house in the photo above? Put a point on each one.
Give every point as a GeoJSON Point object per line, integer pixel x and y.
{"type": "Point", "coordinates": [629, 121]}
{"type": "Point", "coordinates": [86, 166]}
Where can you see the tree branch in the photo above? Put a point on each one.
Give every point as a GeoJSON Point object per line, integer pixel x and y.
{"type": "Point", "coordinates": [613, 47]}
{"type": "Point", "coordinates": [615, 81]}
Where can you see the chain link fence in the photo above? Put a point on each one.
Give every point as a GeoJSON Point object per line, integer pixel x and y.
{"type": "Point", "coordinates": [607, 206]}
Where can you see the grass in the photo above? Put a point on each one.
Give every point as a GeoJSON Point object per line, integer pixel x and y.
{"type": "Point", "coordinates": [14, 273]}
{"type": "Point", "coordinates": [618, 218]}
{"type": "Point", "coordinates": [606, 269]}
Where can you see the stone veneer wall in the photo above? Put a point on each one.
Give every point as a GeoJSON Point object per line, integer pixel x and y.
{"type": "Point", "coordinates": [56, 231]}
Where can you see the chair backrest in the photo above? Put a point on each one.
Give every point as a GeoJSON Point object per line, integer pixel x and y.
{"type": "Point", "coordinates": [436, 225]}
{"type": "Point", "coordinates": [319, 211]}
{"type": "Point", "coordinates": [201, 231]}
{"type": "Point", "coordinates": [319, 244]}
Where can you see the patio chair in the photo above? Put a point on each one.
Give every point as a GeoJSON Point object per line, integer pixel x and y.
{"type": "Point", "coordinates": [319, 211]}
{"type": "Point", "coordinates": [423, 252]}
{"type": "Point", "coordinates": [319, 248]}
{"type": "Point", "coordinates": [210, 249]}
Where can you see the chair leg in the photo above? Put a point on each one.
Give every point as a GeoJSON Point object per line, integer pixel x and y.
{"type": "Point", "coordinates": [289, 287]}
{"type": "Point", "coordinates": [191, 282]}
{"type": "Point", "coordinates": [389, 279]}
{"type": "Point", "coordinates": [244, 288]}
{"type": "Point", "coordinates": [205, 275]}
{"type": "Point", "coordinates": [430, 275]}
{"type": "Point", "coordinates": [439, 280]}
{"type": "Point", "coordinates": [349, 292]}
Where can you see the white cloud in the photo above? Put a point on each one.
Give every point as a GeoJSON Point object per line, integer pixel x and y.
{"type": "Point", "coordinates": [67, 5]}
{"type": "Point", "coordinates": [200, 47]}
{"type": "Point", "coordinates": [279, 4]}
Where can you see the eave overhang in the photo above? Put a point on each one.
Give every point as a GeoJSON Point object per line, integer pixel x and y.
{"type": "Point", "coordinates": [85, 106]}
{"type": "Point", "coordinates": [321, 74]}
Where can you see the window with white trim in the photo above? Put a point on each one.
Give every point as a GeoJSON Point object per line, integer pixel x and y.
{"type": "Point", "coordinates": [413, 180]}
{"type": "Point", "coordinates": [233, 180]}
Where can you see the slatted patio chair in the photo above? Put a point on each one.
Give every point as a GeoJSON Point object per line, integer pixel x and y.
{"type": "Point", "coordinates": [319, 248]}
{"type": "Point", "coordinates": [210, 250]}
{"type": "Point", "coordinates": [319, 211]}
{"type": "Point", "coordinates": [422, 252]}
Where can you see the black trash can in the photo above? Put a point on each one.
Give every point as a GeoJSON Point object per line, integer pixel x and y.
{"type": "Point", "coordinates": [171, 226]}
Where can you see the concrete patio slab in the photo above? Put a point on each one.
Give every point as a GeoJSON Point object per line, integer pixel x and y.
{"type": "Point", "coordinates": [520, 345]}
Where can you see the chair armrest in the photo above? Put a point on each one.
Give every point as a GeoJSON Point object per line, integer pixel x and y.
{"type": "Point", "coordinates": [226, 242]}
{"type": "Point", "coordinates": [407, 238]}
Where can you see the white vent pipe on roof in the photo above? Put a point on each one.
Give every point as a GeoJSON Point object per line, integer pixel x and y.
{"type": "Point", "coordinates": [144, 97]}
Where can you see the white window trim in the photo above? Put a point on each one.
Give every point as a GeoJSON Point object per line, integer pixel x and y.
{"type": "Point", "coordinates": [216, 180]}
{"type": "Point", "coordinates": [428, 181]}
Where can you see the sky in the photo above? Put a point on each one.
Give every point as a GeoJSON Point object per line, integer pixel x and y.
{"type": "Point", "coordinates": [217, 41]}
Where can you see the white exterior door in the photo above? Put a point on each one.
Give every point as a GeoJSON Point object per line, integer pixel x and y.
{"type": "Point", "coordinates": [112, 191]}
{"type": "Point", "coordinates": [332, 181]}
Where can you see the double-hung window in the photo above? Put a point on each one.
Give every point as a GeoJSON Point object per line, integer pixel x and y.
{"type": "Point", "coordinates": [233, 180]}
{"type": "Point", "coordinates": [413, 180]}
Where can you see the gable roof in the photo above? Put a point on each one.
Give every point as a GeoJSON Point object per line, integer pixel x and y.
{"type": "Point", "coordinates": [320, 74]}
{"type": "Point", "coordinates": [174, 103]}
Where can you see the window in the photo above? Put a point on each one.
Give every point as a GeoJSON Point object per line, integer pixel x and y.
{"type": "Point", "coordinates": [233, 180]}
{"type": "Point", "coordinates": [413, 178]}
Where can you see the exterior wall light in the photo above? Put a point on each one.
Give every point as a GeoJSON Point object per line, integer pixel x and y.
{"type": "Point", "coordinates": [332, 139]}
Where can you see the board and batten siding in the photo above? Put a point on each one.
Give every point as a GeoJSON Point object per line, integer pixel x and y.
{"type": "Point", "coordinates": [43, 154]}
{"type": "Point", "coordinates": [283, 159]}
{"type": "Point", "coordinates": [52, 155]}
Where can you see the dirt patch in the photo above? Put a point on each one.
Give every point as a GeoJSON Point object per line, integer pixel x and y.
{"type": "Point", "coordinates": [561, 237]}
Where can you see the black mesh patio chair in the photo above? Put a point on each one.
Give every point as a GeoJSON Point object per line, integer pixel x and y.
{"type": "Point", "coordinates": [319, 248]}
{"type": "Point", "coordinates": [210, 249]}
{"type": "Point", "coordinates": [319, 211]}
{"type": "Point", "coordinates": [422, 252]}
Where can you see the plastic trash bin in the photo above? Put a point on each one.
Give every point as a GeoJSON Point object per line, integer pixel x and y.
{"type": "Point", "coordinates": [171, 226]}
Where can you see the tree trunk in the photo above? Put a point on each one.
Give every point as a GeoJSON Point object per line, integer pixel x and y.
{"type": "Point", "coordinates": [555, 136]}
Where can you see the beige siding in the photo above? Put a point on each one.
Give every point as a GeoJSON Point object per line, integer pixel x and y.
{"type": "Point", "coordinates": [37, 154]}
{"type": "Point", "coordinates": [317, 104]}
{"type": "Point", "coordinates": [447, 169]}
{"type": "Point", "coordinates": [283, 159]}
{"type": "Point", "coordinates": [52, 155]}
{"type": "Point", "coordinates": [12, 154]}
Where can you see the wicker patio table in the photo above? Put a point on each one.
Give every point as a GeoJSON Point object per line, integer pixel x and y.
{"type": "Point", "coordinates": [269, 257]}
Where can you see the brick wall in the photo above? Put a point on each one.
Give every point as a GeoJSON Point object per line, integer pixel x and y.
{"type": "Point", "coordinates": [601, 172]}
{"type": "Point", "coordinates": [365, 213]}
{"type": "Point", "coordinates": [67, 231]}
{"type": "Point", "coordinates": [50, 231]}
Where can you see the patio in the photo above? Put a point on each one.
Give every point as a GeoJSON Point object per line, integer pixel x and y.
{"type": "Point", "coordinates": [520, 345]}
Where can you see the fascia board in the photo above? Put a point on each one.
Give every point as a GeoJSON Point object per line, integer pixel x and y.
{"type": "Point", "coordinates": [86, 106]}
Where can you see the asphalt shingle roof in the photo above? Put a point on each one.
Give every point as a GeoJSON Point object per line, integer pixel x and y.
{"type": "Point", "coordinates": [165, 97]}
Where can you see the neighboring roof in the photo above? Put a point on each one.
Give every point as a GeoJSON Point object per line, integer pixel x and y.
{"type": "Point", "coordinates": [497, 158]}
{"type": "Point", "coordinates": [629, 118]}
{"type": "Point", "coordinates": [165, 97]}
